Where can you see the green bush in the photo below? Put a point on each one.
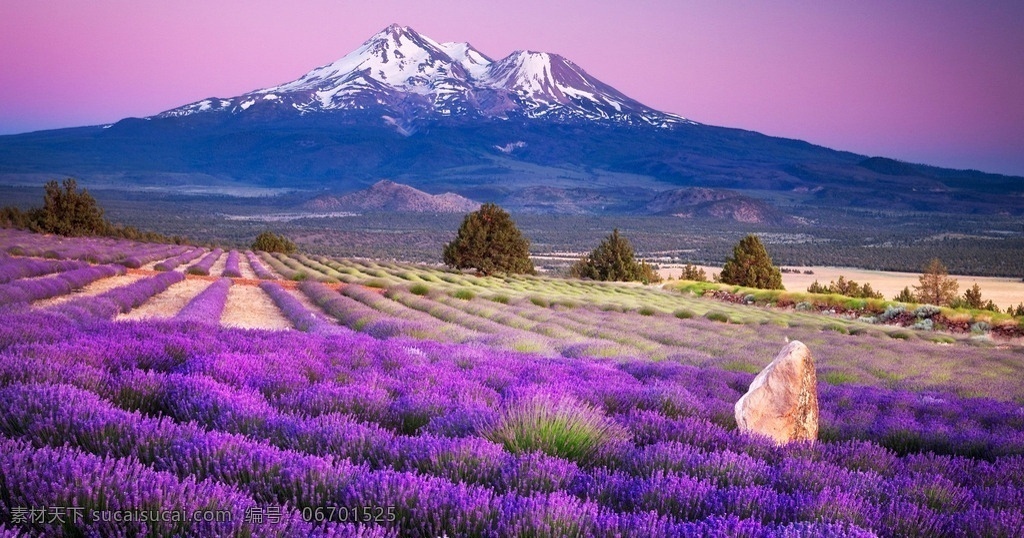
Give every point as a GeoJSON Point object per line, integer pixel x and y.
{"type": "Point", "coordinates": [419, 289]}
{"type": "Point", "coordinates": [647, 311]}
{"type": "Point", "coordinates": [714, 315]}
{"type": "Point", "coordinates": [464, 294]}
{"type": "Point", "coordinates": [683, 313]}
{"type": "Point", "coordinates": [268, 241]}
{"type": "Point", "coordinates": [559, 426]}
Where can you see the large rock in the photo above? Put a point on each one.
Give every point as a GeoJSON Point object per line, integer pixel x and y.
{"type": "Point", "coordinates": [782, 402]}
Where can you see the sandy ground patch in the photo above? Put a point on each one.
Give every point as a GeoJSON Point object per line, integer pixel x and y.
{"type": "Point", "coordinates": [95, 288]}
{"type": "Point", "coordinates": [169, 302]}
{"type": "Point", "coordinates": [245, 268]}
{"type": "Point", "coordinates": [218, 266]}
{"type": "Point", "coordinates": [249, 307]}
{"type": "Point", "coordinates": [1002, 291]}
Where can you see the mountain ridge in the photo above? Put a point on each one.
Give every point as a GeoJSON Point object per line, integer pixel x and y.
{"type": "Point", "coordinates": [445, 117]}
{"type": "Point", "coordinates": [409, 76]}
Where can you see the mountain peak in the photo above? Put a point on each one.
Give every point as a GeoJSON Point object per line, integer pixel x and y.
{"type": "Point", "coordinates": [409, 77]}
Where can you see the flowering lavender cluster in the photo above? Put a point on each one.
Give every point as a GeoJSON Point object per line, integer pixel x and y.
{"type": "Point", "coordinates": [257, 267]}
{"type": "Point", "coordinates": [171, 263]}
{"type": "Point", "coordinates": [208, 305]}
{"type": "Point", "coordinates": [202, 267]}
{"type": "Point", "coordinates": [119, 300]}
{"type": "Point", "coordinates": [466, 440]}
{"type": "Point", "coordinates": [150, 253]}
{"type": "Point", "coordinates": [34, 289]}
{"type": "Point", "coordinates": [300, 316]}
{"type": "Point", "coordinates": [231, 269]}
{"type": "Point", "coordinates": [91, 249]}
{"type": "Point", "coordinates": [14, 268]}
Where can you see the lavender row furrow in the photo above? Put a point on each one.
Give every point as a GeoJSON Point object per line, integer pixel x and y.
{"type": "Point", "coordinates": [119, 300]}
{"type": "Point", "coordinates": [202, 267]}
{"type": "Point", "coordinates": [231, 269]}
{"type": "Point", "coordinates": [25, 291]}
{"type": "Point", "coordinates": [143, 255]}
{"type": "Point", "coordinates": [300, 316]}
{"type": "Point", "coordinates": [257, 267]}
{"type": "Point", "coordinates": [208, 306]}
{"type": "Point", "coordinates": [15, 268]}
{"type": "Point", "coordinates": [172, 263]}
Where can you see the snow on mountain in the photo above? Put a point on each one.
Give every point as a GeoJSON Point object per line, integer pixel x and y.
{"type": "Point", "coordinates": [410, 76]}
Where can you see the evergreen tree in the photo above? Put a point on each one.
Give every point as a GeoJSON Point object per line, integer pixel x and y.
{"type": "Point", "coordinates": [692, 272]}
{"type": "Point", "coordinates": [489, 241]}
{"type": "Point", "coordinates": [905, 296]}
{"type": "Point", "coordinates": [613, 260]}
{"type": "Point", "coordinates": [972, 297]}
{"type": "Point", "coordinates": [268, 241]}
{"type": "Point", "coordinates": [936, 286]}
{"type": "Point", "coordinates": [66, 211]}
{"type": "Point", "coordinates": [751, 266]}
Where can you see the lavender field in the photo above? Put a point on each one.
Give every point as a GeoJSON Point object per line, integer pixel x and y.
{"type": "Point", "coordinates": [410, 401]}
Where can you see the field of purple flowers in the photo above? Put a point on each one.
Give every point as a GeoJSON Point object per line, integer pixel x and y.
{"type": "Point", "coordinates": [405, 409]}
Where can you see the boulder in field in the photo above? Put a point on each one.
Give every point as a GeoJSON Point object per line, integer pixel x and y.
{"type": "Point", "coordinates": [782, 401]}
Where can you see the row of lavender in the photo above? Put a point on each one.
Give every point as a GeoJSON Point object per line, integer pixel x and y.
{"type": "Point", "coordinates": [91, 249]}
{"type": "Point", "coordinates": [266, 419]}
{"type": "Point", "coordinates": [581, 330]}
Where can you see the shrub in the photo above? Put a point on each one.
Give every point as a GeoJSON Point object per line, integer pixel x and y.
{"type": "Point", "coordinates": [559, 426]}
{"type": "Point", "coordinates": [923, 325]}
{"type": "Point", "coordinates": [489, 241]}
{"type": "Point", "coordinates": [926, 311]}
{"type": "Point", "coordinates": [835, 327]}
{"type": "Point", "coordinates": [692, 272]}
{"type": "Point", "coordinates": [848, 288]}
{"type": "Point", "coordinates": [717, 316]}
{"type": "Point", "coordinates": [419, 289]}
{"type": "Point", "coordinates": [647, 311]}
{"type": "Point", "coordinates": [891, 312]}
{"type": "Point", "coordinates": [613, 260]}
{"type": "Point", "coordinates": [268, 241]}
{"type": "Point", "coordinates": [905, 296]}
{"type": "Point", "coordinates": [751, 266]}
{"type": "Point", "coordinates": [503, 299]}
{"type": "Point", "coordinates": [683, 313]}
{"type": "Point", "coordinates": [464, 294]}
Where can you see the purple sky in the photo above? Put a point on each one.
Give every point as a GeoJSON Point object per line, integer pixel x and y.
{"type": "Point", "coordinates": [933, 81]}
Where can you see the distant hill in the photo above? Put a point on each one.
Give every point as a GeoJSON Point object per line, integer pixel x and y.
{"type": "Point", "coordinates": [715, 204]}
{"type": "Point", "coordinates": [387, 195]}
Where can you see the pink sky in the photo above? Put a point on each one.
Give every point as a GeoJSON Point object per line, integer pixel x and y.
{"type": "Point", "coordinates": [933, 81]}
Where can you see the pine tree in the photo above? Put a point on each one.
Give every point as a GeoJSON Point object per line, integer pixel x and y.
{"type": "Point", "coordinates": [692, 272]}
{"type": "Point", "coordinates": [905, 296]}
{"type": "Point", "coordinates": [972, 297]}
{"type": "Point", "coordinates": [751, 266]}
{"type": "Point", "coordinates": [936, 286]}
{"type": "Point", "coordinates": [489, 241]}
{"type": "Point", "coordinates": [614, 260]}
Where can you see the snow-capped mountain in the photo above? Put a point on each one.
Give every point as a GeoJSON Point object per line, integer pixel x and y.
{"type": "Point", "coordinates": [406, 76]}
